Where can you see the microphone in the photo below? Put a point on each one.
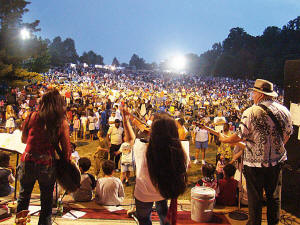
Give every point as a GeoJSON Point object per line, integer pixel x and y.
{"type": "Point", "coordinates": [131, 213]}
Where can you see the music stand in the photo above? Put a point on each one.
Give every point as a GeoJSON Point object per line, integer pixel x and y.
{"type": "Point", "coordinates": [17, 163]}
{"type": "Point", "coordinates": [239, 214]}
{"type": "Point", "coordinates": [12, 143]}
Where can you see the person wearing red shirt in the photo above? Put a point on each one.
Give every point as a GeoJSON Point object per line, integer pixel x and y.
{"type": "Point", "coordinates": [68, 97]}
{"type": "Point", "coordinates": [41, 130]}
{"type": "Point", "coordinates": [228, 187]}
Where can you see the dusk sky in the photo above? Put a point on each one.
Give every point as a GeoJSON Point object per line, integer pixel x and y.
{"type": "Point", "coordinates": [154, 29]}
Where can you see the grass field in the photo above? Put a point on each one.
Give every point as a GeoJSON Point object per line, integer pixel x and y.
{"type": "Point", "coordinates": [86, 148]}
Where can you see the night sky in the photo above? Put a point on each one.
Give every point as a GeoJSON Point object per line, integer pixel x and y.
{"type": "Point", "coordinates": [154, 29]}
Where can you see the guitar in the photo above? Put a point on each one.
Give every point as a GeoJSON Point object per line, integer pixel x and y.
{"type": "Point", "coordinates": [22, 218]}
{"type": "Point", "coordinates": [141, 125]}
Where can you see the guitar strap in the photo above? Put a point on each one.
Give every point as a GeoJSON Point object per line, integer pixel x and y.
{"type": "Point", "coordinates": [275, 121]}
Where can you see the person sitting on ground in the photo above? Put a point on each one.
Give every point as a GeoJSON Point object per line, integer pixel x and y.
{"type": "Point", "coordinates": [6, 176]}
{"type": "Point", "coordinates": [221, 163]}
{"type": "Point", "coordinates": [208, 179]}
{"type": "Point", "coordinates": [74, 156]}
{"type": "Point", "coordinates": [228, 187]}
{"type": "Point", "coordinates": [109, 189]}
{"type": "Point", "coordinates": [126, 161]}
{"type": "Point", "coordinates": [87, 184]}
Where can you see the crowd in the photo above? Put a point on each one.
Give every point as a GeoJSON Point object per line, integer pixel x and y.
{"type": "Point", "coordinates": [95, 100]}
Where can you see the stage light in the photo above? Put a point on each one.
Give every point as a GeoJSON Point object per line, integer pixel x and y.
{"type": "Point", "coordinates": [25, 34]}
{"type": "Point", "coordinates": [178, 62]}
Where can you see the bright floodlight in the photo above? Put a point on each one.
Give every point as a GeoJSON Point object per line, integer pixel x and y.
{"type": "Point", "coordinates": [178, 62]}
{"type": "Point", "coordinates": [25, 34]}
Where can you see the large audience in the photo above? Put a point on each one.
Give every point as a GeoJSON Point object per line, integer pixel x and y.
{"type": "Point", "coordinates": [94, 97]}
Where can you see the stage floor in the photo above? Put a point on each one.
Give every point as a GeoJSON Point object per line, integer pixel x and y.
{"type": "Point", "coordinates": [182, 205]}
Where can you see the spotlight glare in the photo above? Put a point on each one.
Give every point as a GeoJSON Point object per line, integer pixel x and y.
{"type": "Point", "coordinates": [178, 62]}
{"type": "Point", "coordinates": [25, 34]}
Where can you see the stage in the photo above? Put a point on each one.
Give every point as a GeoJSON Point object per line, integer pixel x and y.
{"type": "Point", "coordinates": [96, 214]}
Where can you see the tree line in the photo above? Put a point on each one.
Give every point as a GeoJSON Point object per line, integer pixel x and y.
{"type": "Point", "coordinates": [240, 55]}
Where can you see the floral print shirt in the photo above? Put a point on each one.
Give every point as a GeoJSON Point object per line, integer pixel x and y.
{"type": "Point", "coordinates": [264, 144]}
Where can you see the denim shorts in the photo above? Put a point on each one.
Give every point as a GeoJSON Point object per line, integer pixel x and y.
{"type": "Point", "coordinates": [200, 144]}
{"type": "Point", "coordinates": [125, 167]}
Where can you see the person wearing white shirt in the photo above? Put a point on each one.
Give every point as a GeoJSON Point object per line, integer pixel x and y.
{"type": "Point", "coordinates": [109, 189]}
{"type": "Point", "coordinates": [219, 122]}
{"type": "Point", "coordinates": [115, 138]}
{"type": "Point", "coordinates": [112, 118]}
{"type": "Point", "coordinates": [201, 142]}
{"type": "Point", "coordinates": [161, 168]}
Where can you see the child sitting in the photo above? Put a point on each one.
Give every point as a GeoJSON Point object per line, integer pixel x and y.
{"type": "Point", "coordinates": [208, 180]}
{"type": "Point", "coordinates": [126, 162]}
{"type": "Point", "coordinates": [221, 163]}
{"type": "Point", "coordinates": [74, 156]}
{"type": "Point", "coordinates": [6, 175]}
{"type": "Point", "coordinates": [85, 192]}
{"type": "Point", "coordinates": [109, 189]}
{"type": "Point", "coordinates": [228, 187]}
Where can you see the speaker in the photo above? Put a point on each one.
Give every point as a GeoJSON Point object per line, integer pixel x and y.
{"type": "Point", "coordinates": [292, 95]}
{"type": "Point", "coordinates": [291, 171]}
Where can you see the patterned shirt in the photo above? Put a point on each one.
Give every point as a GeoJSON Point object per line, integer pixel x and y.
{"type": "Point", "coordinates": [264, 144]}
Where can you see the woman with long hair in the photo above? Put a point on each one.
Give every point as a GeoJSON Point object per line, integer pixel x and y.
{"type": "Point", "coordinates": [160, 168]}
{"type": "Point", "coordinates": [10, 117]}
{"type": "Point", "coordinates": [42, 130]}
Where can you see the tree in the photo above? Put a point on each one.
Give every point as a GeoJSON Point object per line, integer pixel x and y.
{"type": "Point", "coordinates": [91, 58]}
{"type": "Point", "coordinates": [193, 63]}
{"type": "Point", "coordinates": [41, 62]}
{"type": "Point", "coordinates": [13, 50]}
{"type": "Point", "coordinates": [137, 62]}
{"type": "Point", "coordinates": [62, 52]}
{"type": "Point", "coordinates": [55, 51]}
{"type": "Point", "coordinates": [125, 65]}
{"type": "Point", "coordinates": [69, 51]}
{"type": "Point", "coordinates": [115, 62]}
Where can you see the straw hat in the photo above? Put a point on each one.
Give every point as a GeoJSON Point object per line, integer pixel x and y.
{"type": "Point", "coordinates": [265, 87]}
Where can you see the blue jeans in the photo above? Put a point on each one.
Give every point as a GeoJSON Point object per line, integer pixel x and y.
{"type": "Point", "coordinates": [28, 173]}
{"type": "Point", "coordinates": [144, 209]}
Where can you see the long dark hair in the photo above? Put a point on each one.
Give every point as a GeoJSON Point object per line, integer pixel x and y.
{"type": "Point", "coordinates": [165, 157]}
{"type": "Point", "coordinates": [52, 113]}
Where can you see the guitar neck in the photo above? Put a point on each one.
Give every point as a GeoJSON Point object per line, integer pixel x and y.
{"type": "Point", "coordinates": [212, 131]}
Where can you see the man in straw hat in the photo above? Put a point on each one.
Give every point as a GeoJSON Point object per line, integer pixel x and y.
{"type": "Point", "coordinates": [265, 128]}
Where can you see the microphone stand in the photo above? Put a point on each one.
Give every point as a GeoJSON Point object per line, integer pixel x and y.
{"type": "Point", "coordinates": [239, 214]}
{"type": "Point", "coordinates": [131, 213]}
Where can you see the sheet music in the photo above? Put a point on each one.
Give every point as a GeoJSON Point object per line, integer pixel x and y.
{"type": "Point", "coordinates": [295, 113]}
{"type": "Point", "coordinates": [113, 208]}
{"type": "Point", "coordinates": [186, 147]}
{"type": "Point", "coordinates": [73, 215]}
{"type": "Point", "coordinates": [12, 142]}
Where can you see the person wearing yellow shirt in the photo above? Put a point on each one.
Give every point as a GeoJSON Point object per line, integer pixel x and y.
{"type": "Point", "coordinates": [181, 129]}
